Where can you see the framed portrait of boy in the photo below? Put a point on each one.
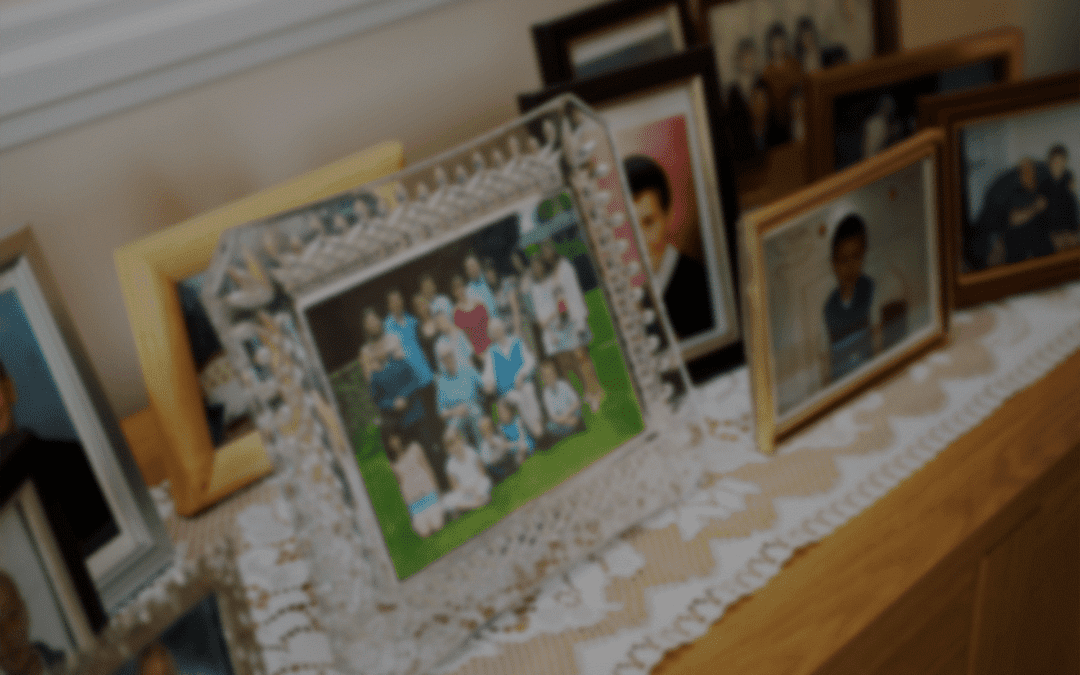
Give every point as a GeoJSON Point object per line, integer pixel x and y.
{"type": "Point", "coordinates": [847, 283]}
{"type": "Point", "coordinates": [611, 36]}
{"type": "Point", "coordinates": [49, 608]}
{"type": "Point", "coordinates": [764, 51]}
{"type": "Point", "coordinates": [51, 401]}
{"type": "Point", "coordinates": [663, 118]}
{"type": "Point", "coordinates": [450, 378]}
{"type": "Point", "coordinates": [199, 623]}
{"type": "Point", "coordinates": [859, 109]}
{"type": "Point", "coordinates": [1010, 171]}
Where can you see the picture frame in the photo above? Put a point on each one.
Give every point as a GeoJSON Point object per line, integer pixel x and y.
{"type": "Point", "coordinates": [50, 607]}
{"type": "Point", "coordinates": [976, 164]}
{"type": "Point", "coordinates": [858, 108]}
{"type": "Point", "coordinates": [54, 393]}
{"type": "Point", "coordinates": [763, 86]}
{"type": "Point", "coordinates": [611, 36]}
{"type": "Point", "coordinates": [819, 336]}
{"type": "Point", "coordinates": [199, 621]}
{"type": "Point", "coordinates": [668, 111]}
{"type": "Point", "coordinates": [153, 271]}
{"type": "Point", "coordinates": [549, 182]}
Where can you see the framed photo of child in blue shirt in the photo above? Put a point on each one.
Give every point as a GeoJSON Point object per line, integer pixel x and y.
{"type": "Point", "coordinates": [846, 283]}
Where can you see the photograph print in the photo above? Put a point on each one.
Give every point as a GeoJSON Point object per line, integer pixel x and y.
{"type": "Point", "coordinates": [194, 643]}
{"type": "Point", "coordinates": [43, 621]}
{"type": "Point", "coordinates": [473, 375]}
{"type": "Point", "coordinates": [1019, 188]}
{"type": "Point", "coordinates": [849, 285]}
{"type": "Point", "coordinates": [764, 49]}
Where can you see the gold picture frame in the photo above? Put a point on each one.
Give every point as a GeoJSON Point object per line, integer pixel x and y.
{"type": "Point", "coordinates": [149, 270]}
{"type": "Point", "coordinates": [809, 349]}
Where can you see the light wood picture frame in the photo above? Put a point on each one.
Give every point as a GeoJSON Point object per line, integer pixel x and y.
{"type": "Point", "coordinates": [764, 51]}
{"type": "Point", "coordinates": [989, 133]}
{"type": "Point", "coordinates": [56, 398]}
{"type": "Point", "coordinates": [857, 109]}
{"type": "Point", "coordinates": [611, 36]}
{"type": "Point", "coordinates": [667, 112]}
{"type": "Point", "coordinates": [846, 282]}
{"type": "Point", "coordinates": [150, 270]}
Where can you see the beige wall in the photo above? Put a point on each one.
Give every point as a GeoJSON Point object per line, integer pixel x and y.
{"type": "Point", "coordinates": [431, 81]}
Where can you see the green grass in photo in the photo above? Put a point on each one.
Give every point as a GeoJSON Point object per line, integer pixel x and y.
{"type": "Point", "coordinates": [618, 420]}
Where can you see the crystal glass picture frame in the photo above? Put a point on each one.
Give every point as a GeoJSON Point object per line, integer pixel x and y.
{"type": "Point", "coordinates": [553, 174]}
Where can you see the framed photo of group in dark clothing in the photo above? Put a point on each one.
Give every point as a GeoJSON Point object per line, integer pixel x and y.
{"type": "Point", "coordinates": [1010, 170]}
{"type": "Point", "coordinates": [467, 379]}
{"type": "Point", "coordinates": [50, 400]}
{"type": "Point", "coordinates": [765, 50]}
{"type": "Point", "coordinates": [848, 283]}
{"type": "Point", "coordinates": [611, 36]}
{"type": "Point", "coordinates": [857, 110]}
{"type": "Point", "coordinates": [664, 118]}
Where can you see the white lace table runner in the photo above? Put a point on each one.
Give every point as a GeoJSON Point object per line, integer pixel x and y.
{"type": "Point", "coordinates": [664, 583]}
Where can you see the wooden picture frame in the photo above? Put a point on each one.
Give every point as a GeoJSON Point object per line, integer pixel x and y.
{"type": "Point", "coordinates": [763, 87]}
{"type": "Point", "coordinates": [198, 621]}
{"type": "Point", "coordinates": [809, 347]}
{"type": "Point", "coordinates": [1037, 105]}
{"type": "Point", "coordinates": [636, 96]}
{"type": "Point", "coordinates": [56, 398]}
{"type": "Point", "coordinates": [150, 270]}
{"type": "Point", "coordinates": [546, 185]}
{"type": "Point", "coordinates": [859, 108]}
{"type": "Point", "coordinates": [599, 39]}
{"type": "Point", "coordinates": [47, 596]}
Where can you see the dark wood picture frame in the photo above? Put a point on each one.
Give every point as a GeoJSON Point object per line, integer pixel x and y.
{"type": "Point", "coordinates": [954, 111]}
{"type": "Point", "coordinates": [771, 427]}
{"type": "Point", "coordinates": [693, 65]}
{"type": "Point", "coordinates": [772, 161]}
{"type": "Point", "coordinates": [1003, 48]}
{"type": "Point", "coordinates": [20, 465]}
{"type": "Point", "coordinates": [553, 39]}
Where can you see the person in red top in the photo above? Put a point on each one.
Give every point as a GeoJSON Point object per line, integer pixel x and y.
{"type": "Point", "coordinates": [470, 315]}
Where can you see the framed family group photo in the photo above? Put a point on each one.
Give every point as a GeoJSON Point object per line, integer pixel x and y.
{"type": "Point", "coordinates": [52, 402]}
{"type": "Point", "coordinates": [460, 372]}
{"type": "Point", "coordinates": [611, 36]}
{"type": "Point", "coordinates": [765, 50]}
{"type": "Point", "coordinates": [848, 283]}
{"type": "Point", "coordinates": [213, 448]}
{"type": "Point", "coordinates": [858, 110]}
{"type": "Point", "coordinates": [663, 118]}
{"type": "Point", "coordinates": [1010, 164]}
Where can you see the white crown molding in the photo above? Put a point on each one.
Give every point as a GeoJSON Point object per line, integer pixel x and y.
{"type": "Point", "coordinates": [65, 62]}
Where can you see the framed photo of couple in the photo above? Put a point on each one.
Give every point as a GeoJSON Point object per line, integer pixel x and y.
{"type": "Point", "coordinates": [846, 282]}
{"type": "Point", "coordinates": [458, 380]}
{"type": "Point", "coordinates": [663, 118]}
{"type": "Point", "coordinates": [1010, 168]}
{"type": "Point", "coordinates": [51, 402]}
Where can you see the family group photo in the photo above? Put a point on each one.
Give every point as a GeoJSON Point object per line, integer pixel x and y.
{"type": "Point", "coordinates": [475, 376]}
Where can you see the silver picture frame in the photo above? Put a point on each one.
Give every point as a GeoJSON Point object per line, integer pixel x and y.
{"type": "Point", "coordinates": [40, 326]}
{"type": "Point", "coordinates": [267, 275]}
